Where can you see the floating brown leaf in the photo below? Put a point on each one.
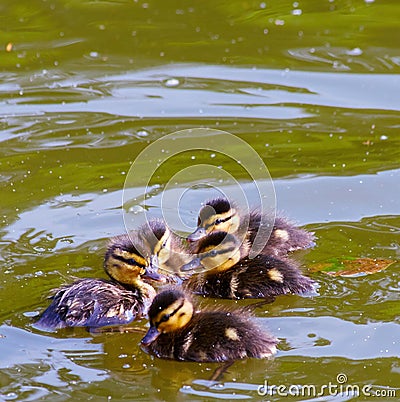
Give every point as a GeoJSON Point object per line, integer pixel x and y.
{"type": "Point", "coordinates": [351, 266]}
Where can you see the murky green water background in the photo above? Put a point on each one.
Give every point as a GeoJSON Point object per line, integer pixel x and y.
{"type": "Point", "coordinates": [313, 86]}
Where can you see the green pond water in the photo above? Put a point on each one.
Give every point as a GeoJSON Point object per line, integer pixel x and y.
{"type": "Point", "coordinates": [312, 86]}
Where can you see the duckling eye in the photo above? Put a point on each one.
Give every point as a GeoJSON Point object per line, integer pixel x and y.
{"type": "Point", "coordinates": [213, 253]}
{"type": "Point", "coordinates": [165, 318]}
{"type": "Point", "coordinates": [218, 221]}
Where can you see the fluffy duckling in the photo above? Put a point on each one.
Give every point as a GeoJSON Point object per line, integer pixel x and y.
{"type": "Point", "coordinates": [167, 250]}
{"type": "Point", "coordinates": [177, 331]}
{"type": "Point", "coordinates": [220, 215]}
{"type": "Point", "coordinates": [92, 303]}
{"type": "Point", "coordinates": [228, 272]}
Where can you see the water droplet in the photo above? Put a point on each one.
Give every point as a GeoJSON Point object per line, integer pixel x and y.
{"type": "Point", "coordinates": [172, 82]}
{"type": "Point", "coordinates": [354, 52]}
{"type": "Point", "coordinates": [142, 133]}
{"type": "Point", "coordinates": [136, 209]}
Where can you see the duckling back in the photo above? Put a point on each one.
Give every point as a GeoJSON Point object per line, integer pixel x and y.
{"type": "Point", "coordinates": [93, 303]}
{"type": "Point", "coordinates": [285, 236]}
{"type": "Point", "coordinates": [261, 277]}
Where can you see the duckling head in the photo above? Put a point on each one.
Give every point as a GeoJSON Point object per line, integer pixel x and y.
{"type": "Point", "coordinates": [217, 251]}
{"type": "Point", "coordinates": [124, 262]}
{"type": "Point", "coordinates": [170, 311]}
{"type": "Point", "coordinates": [157, 237]}
{"type": "Point", "coordinates": [216, 215]}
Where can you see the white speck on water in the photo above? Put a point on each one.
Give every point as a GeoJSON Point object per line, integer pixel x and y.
{"type": "Point", "coordinates": [94, 54]}
{"type": "Point", "coordinates": [171, 82]}
{"type": "Point", "coordinates": [31, 314]}
{"type": "Point", "coordinates": [136, 209]}
{"type": "Point", "coordinates": [354, 52]}
{"type": "Point", "coordinates": [212, 156]}
{"type": "Point", "coordinates": [192, 157]}
{"type": "Point", "coordinates": [384, 137]}
{"type": "Point", "coordinates": [297, 11]}
{"type": "Point", "coordinates": [142, 133]}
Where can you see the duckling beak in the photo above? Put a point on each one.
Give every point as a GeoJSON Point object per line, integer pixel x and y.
{"type": "Point", "coordinates": [151, 335]}
{"type": "Point", "coordinates": [152, 271]}
{"type": "Point", "coordinates": [198, 234]}
{"type": "Point", "coordinates": [154, 264]}
{"type": "Point", "coordinates": [194, 264]}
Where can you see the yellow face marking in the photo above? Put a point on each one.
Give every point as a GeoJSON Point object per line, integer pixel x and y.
{"type": "Point", "coordinates": [126, 255]}
{"type": "Point", "coordinates": [221, 258]}
{"type": "Point", "coordinates": [209, 223]}
{"type": "Point", "coordinates": [164, 242]}
{"type": "Point", "coordinates": [231, 333]}
{"type": "Point", "coordinates": [225, 222]}
{"type": "Point", "coordinates": [163, 249]}
{"type": "Point", "coordinates": [123, 271]}
{"type": "Point", "coordinates": [174, 317]}
{"type": "Point", "coordinates": [281, 234]}
{"type": "Point", "coordinates": [275, 275]}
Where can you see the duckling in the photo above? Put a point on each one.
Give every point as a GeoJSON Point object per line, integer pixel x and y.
{"type": "Point", "coordinates": [92, 303]}
{"type": "Point", "coordinates": [168, 252]}
{"type": "Point", "coordinates": [178, 331]}
{"type": "Point", "coordinates": [229, 273]}
{"type": "Point", "coordinates": [219, 215]}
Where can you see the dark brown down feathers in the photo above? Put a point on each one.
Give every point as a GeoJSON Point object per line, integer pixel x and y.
{"type": "Point", "coordinates": [217, 335]}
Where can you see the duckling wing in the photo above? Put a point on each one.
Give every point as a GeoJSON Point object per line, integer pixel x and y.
{"type": "Point", "coordinates": [91, 303]}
